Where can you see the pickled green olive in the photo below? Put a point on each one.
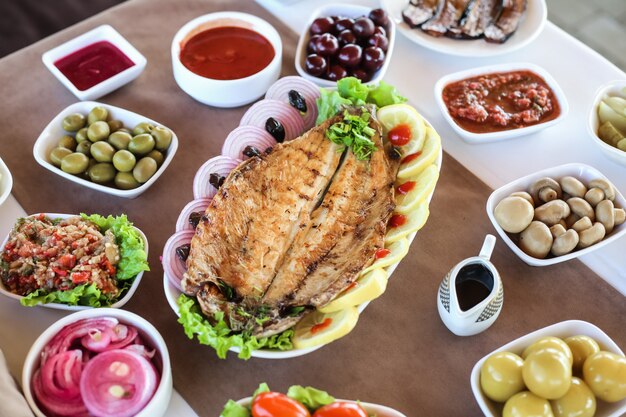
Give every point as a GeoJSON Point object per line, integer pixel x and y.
{"type": "Point", "coordinates": [58, 154]}
{"type": "Point", "coordinates": [125, 181]}
{"type": "Point", "coordinates": [127, 130]}
{"type": "Point", "coordinates": [124, 161]}
{"type": "Point", "coordinates": [102, 151]}
{"type": "Point", "coordinates": [98, 131]}
{"type": "Point", "coordinates": [145, 168]}
{"type": "Point", "coordinates": [75, 163]}
{"type": "Point", "coordinates": [141, 144]}
{"type": "Point", "coordinates": [84, 148]}
{"type": "Point", "coordinates": [68, 142]}
{"type": "Point", "coordinates": [97, 114]}
{"type": "Point", "coordinates": [162, 137]}
{"type": "Point", "coordinates": [143, 127]}
{"type": "Point", "coordinates": [102, 173]}
{"type": "Point", "coordinates": [73, 122]}
{"type": "Point", "coordinates": [157, 156]}
{"type": "Point", "coordinates": [115, 125]}
{"type": "Point", "coordinates": [81, 135]}
{"type": "Point", "coordinates": [120, 139]}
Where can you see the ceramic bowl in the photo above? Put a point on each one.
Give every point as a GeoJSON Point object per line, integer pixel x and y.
{"type": "Point", "coordinates": [477, 138]}
{"type": "Point", "coordinates": [6, 181]}
{"type": "Point", "coordinates": [226, 93]}
{"type": "Point", "coordinates": [159, 402]}
{"type": "Point", "coordinates": [583, 172]}
{"type": "Point", "coordinates": [614, 88]}
{"type": "Point", "coordinates": [51, 134]}
{"type": "Point", "coordinates": [348, 10]}
{"type": "Point", "coordinates": [101, 33]}
{"type": "Point", "coordinates": [562, 330]}
{"type": "Point", "coordinates": [118, 304]}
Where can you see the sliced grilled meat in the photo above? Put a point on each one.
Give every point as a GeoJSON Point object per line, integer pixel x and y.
{"type": "Point", "coordinates": [420, 11]}
{"type": "Point", "coordinates": [507, 22]}
{"type": "Point", "coordinates": [448, 15]}
{"type": "Point", "coordinates": [478, 15]}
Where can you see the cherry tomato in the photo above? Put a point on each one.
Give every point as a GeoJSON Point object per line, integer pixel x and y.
{"type": "Point", "coordinates": [341, 409]}
{"type": "Point", "coordinates": [275, 404]}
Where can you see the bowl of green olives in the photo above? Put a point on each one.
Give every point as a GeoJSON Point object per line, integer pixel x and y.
{"type": "Point", "coordinates": [106, 148]}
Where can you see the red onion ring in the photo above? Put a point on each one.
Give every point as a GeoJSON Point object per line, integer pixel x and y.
{"type": "Point", "coordinates": [64, 339]}
{"type": "Point", "coordinates": [280, 91]}
{"type": "Point", "coordinates": [221, 165]}
{"type": "Point", "coordinates": [194, 206]}
{"type": "Point", "coordinates": [141, 350]}
{"type": "Point", "coordinates": [57, 375]}
{"type": "Point", "coordinates": [262, 110]}
{"type": "Point", "coordinates": [124, 336]}
{"type": "Point", "coordinates": [173, 267]}
{"type": "Point", "coordinates": [62, 407]}
{"type": "Point", "coordinates": [97, 340]}
{"type": "Point", "coordinates": [243, 136]}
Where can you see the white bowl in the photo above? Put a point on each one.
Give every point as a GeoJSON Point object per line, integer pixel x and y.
{"type": "Point", "coordinates": [347, 10]}
{"type": "Point", "coordinates": [583, 172]}
{"type": "Point", "coordinates": [562, 330]}
{"type": "Point", "coordinates": [471, 137]}
{"type": "Point", "coordinates": [101, 33]}
{"type": "Point", "coordinates": [118, 304]}
{"type": "Point", "coordinates": [49, 138]}
{"type": "Point", "coordinates": [6, 181]}
{"type": "Point", "coordinates": [159, 402]}
{"type": "Point", "coordinates": [226, 93]}
{"type": "Point", "coordinates": [614, 88]}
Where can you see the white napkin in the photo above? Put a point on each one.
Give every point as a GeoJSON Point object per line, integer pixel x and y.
{"type": "Point", "coordinates": [13, 403]}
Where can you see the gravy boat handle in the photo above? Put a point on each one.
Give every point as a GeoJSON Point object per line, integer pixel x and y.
{"type": "Point", "coordinates": [488, 245]}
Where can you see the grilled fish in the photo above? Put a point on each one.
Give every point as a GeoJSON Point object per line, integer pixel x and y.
{"type": "Point", "coordinates": [507, 22]}
{"type": "Point", "coordinates": [476, 18]}
{"type": "Point", "coordinates": [420, 11]}
{"type": "Point", "coordinates": [449, 14]}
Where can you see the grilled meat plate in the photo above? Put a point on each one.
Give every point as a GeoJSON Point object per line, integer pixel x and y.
{"type": "Point", "coordinates": [420, 11]}
{"type": "Point", "coordinates": [475, 20]}
{"type": "Point", "coordinates": [507, 22]}
{"type": "Point", "coordinates": [448, 15]}
{"type": "Point", "coordinates": [289, 230]}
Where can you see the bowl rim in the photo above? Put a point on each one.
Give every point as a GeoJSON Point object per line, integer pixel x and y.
{"type": "Point", "coordinates": [477, 138]}
{"type": "Point", "coordinates": [593, 121]}
{"type": "Point", "coordinates": [7, 179]}
{"type": "Point", "coordinates": [41, 142]}
{"type": "Point", "coordinates": [377, 409]}
{"type": "Point", "coordinates": [58, 306]}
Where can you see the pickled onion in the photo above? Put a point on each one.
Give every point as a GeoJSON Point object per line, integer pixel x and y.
{"type": "Point", "coordinates": [221, 165]}
{"type": "Point", "coordinates": [262, 110]}
{"type": "Point", "coordinates": [280, 91]}
{"type": "Point", "coordinates": [243, 136]}
{"type": "Point", "coordinates": [173, 267]}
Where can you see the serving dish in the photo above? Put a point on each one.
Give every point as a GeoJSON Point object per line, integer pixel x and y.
{"type": "Point", "coordinates": [562, 330]}
{"type": "Point", "coordinates": [226, 93]}
{"type": "Point", "coordinates": [118, 304]}
{"type": "Point", "coordinates": [477, 138]}
{"type": "Point", "coordinates": [613, 88]}
{"type": "Point", "coordinates": [53, 131]}
{"type": "Point", "coordinates": [348, 10]}
{"type": "Point", "coordinates": [157, 406]}
{"type": "Point", "coordinates": [6, 181]}
{"type": "Point", "coordinates": [101, 33]}
{"type": "Point", "coordinates": [584, 173]}
{"type": "Point", "coordinates": [372, 409]}
{"type": "Point", "coordinates": [529, 28]}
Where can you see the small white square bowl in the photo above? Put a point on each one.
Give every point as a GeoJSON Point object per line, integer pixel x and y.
{"type": "Point", "coordinates": [563, 329]}
{"type": "Point", "coordinates": [614, 88]}
{"type": "Point", "coordinates": [477, 138]}
{"type": "Point", "coordinates": [583, 172]}
{"type": "Point", "coordinates": [101, 33]}
{"type": "Point", "coordinates": [6, 181]}
{"type": "Point", "coordinates": [50, 136]}
{"type": "Point", "coordinates": [348, 10]}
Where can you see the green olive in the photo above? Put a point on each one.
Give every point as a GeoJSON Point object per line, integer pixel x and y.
{"type": "Point", "coordinates": [578, 402]}
{"type": "Point", "coordinates": [143, 127]}
{"type": "Point", "coordinates": [582, 347]}
{"type": "Point", "coordinates": [124, 161]}
{"type": "Point", "coordinates": [162, 136]}
{"type": "Point", "coordinates": [84, 148]}
{"type": "Point", "coordinates": [73, 122]}
{"type": "Point", "coordinates": [75, 163]}
{"type": "Point", "coordinates": [68, 142]}
{"type": "Point", "coordinates": [102, 173]}
{"type": "Point", "coordinates": [81, 135]}
{"type": "Point", "coordinates": [127, 130]}
{"type": "Point", "coordinates": [102, 151]}
{"type": "Point", "coordinates": [120, 140]}
{"type": "Point", "coordinates": [125, 181]}
{"type": "Point", "coordinates": [98, 131]}
{"type": "Point", "coordinates": [141, 144]}
{"type": "Point", "coordinates": [501, 376]}
{"type": "Point", "coordinates": [157, 156]}
{"type": "Point", "coordinates": [527, 404]}
{"type": "Point", "coordinates": [58, 154]}
{"type": "Point", "coordinates": [115, 125]}
{"type": "Point", "coordinates": [145, 168]}
{"type": "Point", "coordinates": [97, 114]}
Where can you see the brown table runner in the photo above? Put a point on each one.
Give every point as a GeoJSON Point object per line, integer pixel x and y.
{"type": "Point", "coordinates": [400, 354]}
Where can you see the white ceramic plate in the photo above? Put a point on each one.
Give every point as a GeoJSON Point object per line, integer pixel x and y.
{"type": "Point", "coordinates": [348, 10]}
{"type": "Point", "coordinates": [583, 172]}
{"type": "Point", "coordinates": [530, 27]}
{"type": "Point", "coordinates": [49, 138]}
{"type": "Point", "coordinates": [562, 330]}
{"type": "Point", "coordinates": [6, 181]}
{"type": "Point", "coordinates": [478, 138]}
{"type": "Point", "coordinates": [615, 88]}
{"type": "Point", "coordinates": [118, 304]}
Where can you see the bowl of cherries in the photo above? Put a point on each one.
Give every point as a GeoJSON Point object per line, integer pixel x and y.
{"type": "Point", "coordinates": [344, 40]}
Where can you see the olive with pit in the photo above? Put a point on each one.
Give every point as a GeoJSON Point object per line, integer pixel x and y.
{"type": "Point", "coordinates": [115, 125]}
{"type": "Point", "coordinates": [68, 142]}
{"type": "Point", "coordinates": [101, 173]}
{"type": "Point", "coordinates": [102, 151]}
{"type": "Point", "coordinates": [120, 139]}
{"type": "Point", "coordinates": [125, 181]}
{"type": "Point", "coordinates": [75, 163]}
{"type": "Point", "coordinates": [144, 169]}
{"type": "Point", "coordinates": [141, 144]}
{"type": "Point", "coordinates": [81, 135]}
{"type": "Point", "coordinates": [73, 122]}
{"type": "Point", "coordinates": [157, 156]}
{"type": "Point", "coordinates": [97, 114]}
{"type": "Point", "coordinates": [124, 161]}
{"type": "Point", "coordinates": [143, 127]}
{"type": "Point", "coordinates": [84, 148]}
{"type": "Point", "coordinates": [98, 131]}
{"type": "Point", "coordinates": [57, 155]}
{"type": "Point", "coordinates": [162, 136]}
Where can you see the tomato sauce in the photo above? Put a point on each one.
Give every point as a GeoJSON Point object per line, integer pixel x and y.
{"type": "Point", "coordinates": [93, 64]}
{"type": "Point", "coordinates": [397, 220]}
{"type": "Point", "coordinates": [321, 326]}
{"type": "Point", "coordinates": [411, 157]}
{"type": "Point", "coordinates": [501, 101]}
{"type": "Point", "coordinates": [226, 53]}
{"type": "Point", "coordinates": [406, 187]}
{"type": "Point", "coordinates": [400, 135]}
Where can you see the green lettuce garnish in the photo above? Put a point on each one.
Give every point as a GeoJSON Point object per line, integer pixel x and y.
{"type": "Point", "coordinates": [328, 104]}
{"type": "Point", "coordinates": [312, 398]}
{"type": "Point", "coordinates": [220, 337]}
{"type": "Point", "coordinates": [232, 409]}
{"type": "Point", "coordinates": [355, 133]}
{"type": "Point", "coordinates": [263, 387]}
{"type": "Point", "coordinates": [83, 295]}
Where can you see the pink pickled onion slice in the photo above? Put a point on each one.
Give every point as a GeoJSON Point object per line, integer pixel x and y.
{"type": "Point", "coordinates": [60, 376]}
{"type": "Point", "coordinates": [124, 336]}
{"type": "Point", "coordinates": [194, 206]}
{"type": "Point", "coordinates": [55, 405]}
{"type": "Point", "coordinates": [117, 383]}
{"type": "Point", "coordinates": [97, 340]}
{"type": "Point", "coordinates": [173, 267]}
{"type": "Point", "coordinates": [262, 110]}
{"type": "Point", "coordinates": [64, 339]}
{"type": "Point", "coordinates": [243, 136]}
{"type": "Point", "coordinates": [280, 91]}
{"type": "Point", "coordinates": [221, 165]}
{"type": "Point", "coordinates": [142, 350]}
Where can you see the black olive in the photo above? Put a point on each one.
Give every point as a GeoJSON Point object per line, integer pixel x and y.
{"type": "Point", "coordinates": [251, 151]}
{"type": "Point", "coordinates": [194, 219]}
{"type": "Point", "coordinates": [297, 101]}
{"type": "Point", "coordinates": [183, 252]}
{"type": "Point", "coordinates": [216, 180]}
{"type": "Point", "coordinates": [269, 150]}
{"type": "Point", "coordinates": [275, 129]}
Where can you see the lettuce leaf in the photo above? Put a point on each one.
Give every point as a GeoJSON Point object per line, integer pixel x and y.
{"type": "Point", "coordinates": [352, 89]}
{"type": "Point", "coordinates": [311, 397]}
{"type": "Point", "coordinates": [232, 409]}
{"type": "Point", "coordinates": [84, 295]}
{"type": "Point", "coordinates": [384, 94]}
{"type": "Point", "coordinates": [263, 387]}
{"type": "Point", "coordinates": [328, 104]}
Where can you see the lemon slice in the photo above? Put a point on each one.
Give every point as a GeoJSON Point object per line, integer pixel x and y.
{"type": "Point", "coordinates": [398, 114]}
{"type": "Point", "coordinates": [414, 222]}
{"type": "Point", "coordinates": [370, 286]}
{"type": "Point", "coordinates": [423, 185]}
{"type": "Point", "coordinates": [397, 251]}
{"type": "Point", "coordinates": [320, 328]}
{"type": "Point", "coordinates": [428, 155]}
